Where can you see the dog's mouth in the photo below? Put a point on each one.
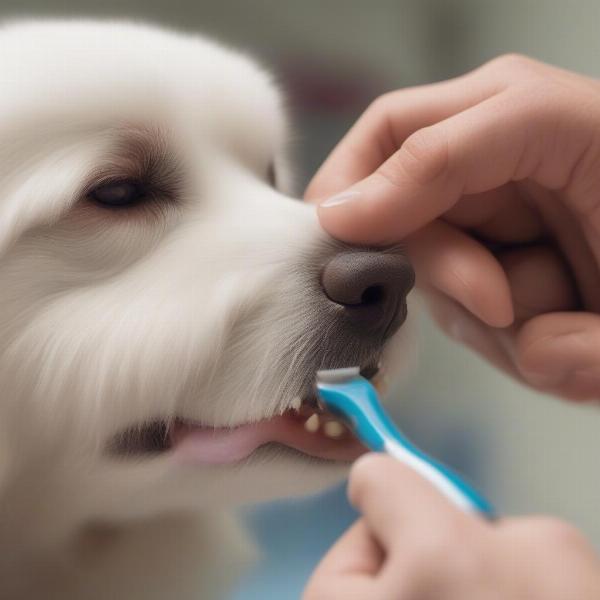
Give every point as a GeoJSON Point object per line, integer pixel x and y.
{"type": "Point", "coordinates": [308, 429]}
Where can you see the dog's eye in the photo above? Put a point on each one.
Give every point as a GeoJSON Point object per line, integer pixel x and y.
{"type": "Point", "coordinates": [117, 194]}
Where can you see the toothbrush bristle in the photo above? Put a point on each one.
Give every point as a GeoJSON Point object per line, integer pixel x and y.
{"type": "Point", "coordinates": [337, 375]}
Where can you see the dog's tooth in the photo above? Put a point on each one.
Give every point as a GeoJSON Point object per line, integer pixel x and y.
{"type": "Point", "coordinates": [334, 429]}
{"type": "Point", "coordinates": [313, 423]}
{"type": "Point", "coordinates": [296, 403]}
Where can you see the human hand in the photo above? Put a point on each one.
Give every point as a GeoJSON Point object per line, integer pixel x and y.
{"type": "Point", "coordinates": [493, 182]}
{"type": "Point", "coordinates": [411, 544]}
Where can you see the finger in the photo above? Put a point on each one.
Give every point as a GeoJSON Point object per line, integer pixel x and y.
{"type": "Point", "coordinates": [504, 138]}
{"type": "Point", "coordinates": [349, 568]}
{"type": "Point", "coordinates": [496, 346]}
{"type": "Point", "coordinates": [540, 281]}
{"type": "Point", "coordinates": [356, 553]}
{"type": "Point", "coordinates": [502, 214]}
{"type": "Point", "coordinates": [459, 267]}
{"type": "Point", "coordinates": [395, 501]}
{"type": "Point", "coordinates": [560, 353]}
{"type": "Point", "coordinates": [538, 538]}
{"type": "Point", "coordinates": [384, 126]}
{"type": "Point", "coordinates": [579, 245]}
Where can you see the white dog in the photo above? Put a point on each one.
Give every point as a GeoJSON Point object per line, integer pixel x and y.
{"type": "Point", "coordinates": [163, 309]}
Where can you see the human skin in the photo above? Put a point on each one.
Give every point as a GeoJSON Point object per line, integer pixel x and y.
{"type": "Point", "coordinates": [492, 181]}
{"type": "Point", "coordinates": [411, 544]}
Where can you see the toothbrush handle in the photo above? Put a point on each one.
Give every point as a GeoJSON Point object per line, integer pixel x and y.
{"type": "Point", "coordinates": [372, 425]}
{"type": "Point", "coordinates": [449, 483]}
{"type": "Point", "coordinates": [453, 486]}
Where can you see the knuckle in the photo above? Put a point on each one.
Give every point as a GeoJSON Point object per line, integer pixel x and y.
{"type": "Point", "coordinates": [558, 533]}
{"type": "Point", "coordinates": [537, 108]}
{"type": "Point", "coordinates": [512, 61]}
{"type": "Point", "coordinates": [379, 109]}
{"type": "Point", "coordinates": [382, 104]}
{"type": "Point", "coordinates": [516, 59]}
{"type": "Point", "coordinates": [423, 157]}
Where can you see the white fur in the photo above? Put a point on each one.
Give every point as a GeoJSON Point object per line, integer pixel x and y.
{"type": "Point", "coordinates": [201, 308]}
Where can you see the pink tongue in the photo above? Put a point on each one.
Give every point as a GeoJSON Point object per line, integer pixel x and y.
{"type": "Point", "coordinates": [218, 446]}
{"type": "Point", "coordinates": [204, 445]}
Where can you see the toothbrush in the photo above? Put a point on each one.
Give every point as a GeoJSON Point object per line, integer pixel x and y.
{"type": "Point", "coordinates": [352, 398]}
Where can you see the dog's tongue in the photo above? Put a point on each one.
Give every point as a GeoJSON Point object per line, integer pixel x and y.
{"type": "Point", "coordinates": [207, 445]}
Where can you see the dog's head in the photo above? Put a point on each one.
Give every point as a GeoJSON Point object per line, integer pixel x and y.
{"type": "Point", "coordinates": [164, 305]}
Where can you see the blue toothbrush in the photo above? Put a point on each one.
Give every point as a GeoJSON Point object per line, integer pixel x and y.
{"type": "Point", "coordinates": [352, 398]}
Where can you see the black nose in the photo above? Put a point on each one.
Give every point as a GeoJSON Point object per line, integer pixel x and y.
{"type": "Point", "coordinates": [371, 287]}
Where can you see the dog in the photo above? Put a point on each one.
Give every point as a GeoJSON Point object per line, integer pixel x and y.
{"type": "Point", "coordinates": [164, 306]}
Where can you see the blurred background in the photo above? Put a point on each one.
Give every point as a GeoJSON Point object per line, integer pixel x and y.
{"type": "Point", "coordinates": [530, 453]}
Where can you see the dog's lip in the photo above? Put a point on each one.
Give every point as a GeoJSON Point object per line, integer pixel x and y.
{"type": "Point", "coordinates": [196, 444]}
{"type": "Point", "coordinates": [307, 428]}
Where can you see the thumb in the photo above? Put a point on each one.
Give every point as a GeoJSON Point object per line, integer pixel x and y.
{"type": "Point", "coordinates": [560, 353]}
{"type": "Point", "coordinates": [411, 188]}
{"type": "Point", "coordinates": [395, 500]}
{"type": "Point", "coordinates": [384, 207]}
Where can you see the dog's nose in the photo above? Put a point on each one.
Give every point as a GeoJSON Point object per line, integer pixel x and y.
{"type": "Point", "coordinates": [371, 287]}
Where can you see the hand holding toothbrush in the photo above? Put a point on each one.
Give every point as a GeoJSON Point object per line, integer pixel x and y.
{"type": "Point", "coordinates": [411, 543]}
{"type": "Point", "coordinates": [492, 180]}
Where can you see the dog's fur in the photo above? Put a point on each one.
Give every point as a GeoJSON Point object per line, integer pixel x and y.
{"type": "Point", "coordinates": [203, 303]}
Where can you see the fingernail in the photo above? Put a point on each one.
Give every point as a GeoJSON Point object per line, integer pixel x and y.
{"type": "Point", "coordinates": [341, 198]}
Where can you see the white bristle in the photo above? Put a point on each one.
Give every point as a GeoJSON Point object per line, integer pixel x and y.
{"type": "Point", "coordinates": [338, 375]}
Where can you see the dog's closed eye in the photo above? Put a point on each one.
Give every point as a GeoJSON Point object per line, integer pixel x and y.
{"type": "Point", "coordinates": [141, 170]}
{"type": "Point", "coordinates": [118, 194]}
